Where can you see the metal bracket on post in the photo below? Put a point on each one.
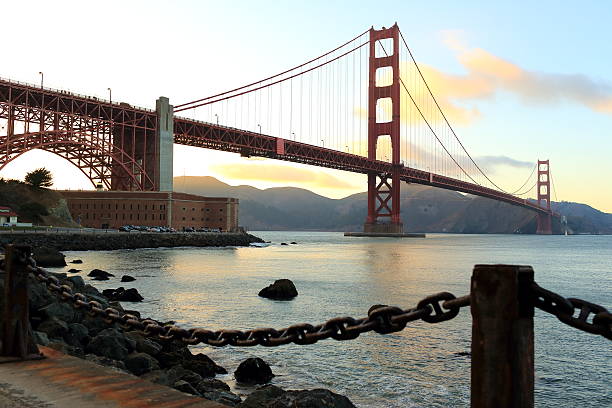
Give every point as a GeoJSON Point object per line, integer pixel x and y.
{"type": "Point", "coordinates": [502, 337]}
{"type": "Point", "coordinates": [17, 343]}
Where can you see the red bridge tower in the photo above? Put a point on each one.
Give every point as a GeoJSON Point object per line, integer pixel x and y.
{"type": "Point", "coordinates": [384, 189]}
{"type": "Point", "coordinates": [543, 185]}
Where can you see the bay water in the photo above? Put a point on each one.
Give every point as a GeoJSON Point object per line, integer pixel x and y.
{"type": "Point", "coordinates": [425, 365]}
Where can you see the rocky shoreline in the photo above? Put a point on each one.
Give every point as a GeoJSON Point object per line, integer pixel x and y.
{"type": "Point", "coordinates": [57, 324]}
{"type": "Point", "coordinates": [101, 241]}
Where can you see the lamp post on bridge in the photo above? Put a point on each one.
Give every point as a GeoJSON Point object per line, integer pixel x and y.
{"type": "Point", "coordinates": [259, 126]}
{"type": "Point", "coordinates": [322, 143]}
{"type": "Point", "coordinates": [217, 117]}
{"type": "Point", "coordinates": [110, 95]}
{"type": "Point", "coordinates": [42, 79]}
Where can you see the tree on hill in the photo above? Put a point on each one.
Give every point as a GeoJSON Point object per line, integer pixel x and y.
{"type": "Point", "coordinates": [39, 178]}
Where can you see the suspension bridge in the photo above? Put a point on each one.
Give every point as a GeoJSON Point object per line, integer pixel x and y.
{"type": "Point", "coordinates": [363, 107]}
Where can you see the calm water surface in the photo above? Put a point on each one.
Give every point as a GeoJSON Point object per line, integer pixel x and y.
{"type": "Point", "coordinates": [422, 366]}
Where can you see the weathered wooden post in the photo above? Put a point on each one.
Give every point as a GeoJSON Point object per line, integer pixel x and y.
{"type": "Point", "coordinates": [502, 337]}
{"type": "Point", "coordinates": [17, 342]}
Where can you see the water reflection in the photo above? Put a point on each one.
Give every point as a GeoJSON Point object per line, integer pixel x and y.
{"type": "Point", "coordinates": [423, 365]}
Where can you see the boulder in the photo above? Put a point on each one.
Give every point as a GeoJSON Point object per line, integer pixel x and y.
{"type": "Point", "coordinates": [263, 397]}
{"type": "Point", "coordinates": [271, 396]}
{"type": "Point", "coordinates": [66, 349]}
{"type": "Point", "coordinates": [203, 365]}
{"type": "Point", "coordinates": [143, 344]}
{"type": "Point", "coordinates": [185, 387]}
{"type": "Point", "coordinates": [72, 270]}
{"type": "Point", "coordinates": [223, 397]}
{"type": "Point", "coordinates": [60, 310]}
{"type": "Point", "coordinates": [105, 361]}
{"type": "Point", "coordinates": [76, 261]}
{"type": "Point", "coordinates": [284, 243]}
{"type": "Point", "coordinates": [53, 327]}
{"type": "Point", "coordinates": [127, 278]}
{"type": "Point", "coordinates": [40, 338]}
{"type": "Point", "coordinates": [211, 384]}
{"type": "Point", "coordinates": [99, 274]}
{"type": "Point", "coordinates": [140, 363]}
{"type": "Point", "coordinates": [281, 289]}
{"type": "Point", "coordinates": [78, 335]}
{"type": "Point", "coordinates": [122, 295]}
{"type": "Point", "coordinates": [48, 257]}
{"type": "Point", "coordinates": [109, 343]}
{"type": "Point", "coordinates": [77, 282]}
{"type": "Point", "coordinates": [293, 243]}
{"type": "Point", "coordinates": [38, 294]}
{"type": "Point", "coordinates": [253, 371]}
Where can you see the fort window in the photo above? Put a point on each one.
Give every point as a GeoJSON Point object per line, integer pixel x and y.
{"type": "Point", "coordinates": [145, 217]}
{"type": "Point", "coordinates": [183, 218]}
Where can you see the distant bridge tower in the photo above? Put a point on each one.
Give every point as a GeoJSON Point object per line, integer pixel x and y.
{"type": "Point", "coordinates": [384, 189]}
{"type": "Point", "coordinates": [544, 220]}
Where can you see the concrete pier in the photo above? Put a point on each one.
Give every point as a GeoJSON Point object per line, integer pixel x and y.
{"type": "Point", "coordinates": [65, 381]}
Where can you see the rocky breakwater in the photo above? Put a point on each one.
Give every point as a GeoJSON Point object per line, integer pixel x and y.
{"type": "Point", "coordinates": [81, 241]}
{"type": "Point", "coordinates": [59, 325]}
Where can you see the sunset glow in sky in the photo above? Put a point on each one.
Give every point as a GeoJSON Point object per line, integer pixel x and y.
{"type": "Point", "coordinates": [519, 80]}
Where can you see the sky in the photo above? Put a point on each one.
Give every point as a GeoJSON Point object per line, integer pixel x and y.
{"type": "Point", "coordinates": [519, 80]}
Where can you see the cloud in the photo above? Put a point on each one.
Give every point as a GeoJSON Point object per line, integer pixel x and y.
{"type": "Point", "coordinates": [488, 74]}
{"type": "Point", "coordinates": [280, 174]}
{"type": "Point", "coordinates": [488, 163]}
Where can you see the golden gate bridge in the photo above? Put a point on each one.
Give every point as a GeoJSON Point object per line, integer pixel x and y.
{"type": "Point", "coordinates": [363, 107]}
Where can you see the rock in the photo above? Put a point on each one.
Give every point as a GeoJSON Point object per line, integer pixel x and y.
{"type": "Point", "coordinates": [77, 282]}
{"type": "Point", "coordinates": [78, 335]}
{"type": "Point", "coordinates": [123, 295]}
{"type": "Point", "coordinates": [105, 361]}
{"type": "Point", "coordinates": [281, 289]}
{"type": "Point", "coordinates": [293, 243]}
{"type": "Point", "coordinates": [223, 397]}
{"type": "Point", "coordinates": [72, 270]}
{"type": "Point", "coordinates": [76, 261]}
{"type": "Point", "coordinates": [40, 338]}
{"type": "Point", "coordinates": [38, 295]}
{"type": "Point", "coordinates": [184, 386]}
{"type": "Point", "coordinates": [109, 343]}
{"type": "Point", "coordinates": [132, 312]}
{"type": "Point", "coordinates": [253, 371]}
{"type": "Point", "coordinates": [48, 257]}
{"type": "Point", "coordinates": [271, 396]}
{"type": "Point", "coordinates": [144, 345]}
{"type": "Point", "coordinates": [210, 385]}
{"type": "Point", "coordinates": [66, 349]}
{"type": "Point", "coordinates": [99, 274]}
{"type": "Point", "coordinates": [53, 327]}
{"type": "Point", "coordinates": [140, 363]}
{"type": "Point", "coordinates": [62, 311]}
{"type": "Point", "coordinates": [170, 359]}
{"type": "Point", "coordinates": [263, 397]}
{"type": "Point", "coordinates": [284, 243]}
{"type": "Point", "coordinates": [127, 278]}
{"type": "Point", "coordinates": [203, 365]}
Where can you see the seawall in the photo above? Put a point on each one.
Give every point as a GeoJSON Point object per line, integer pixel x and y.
{"type": "Point", "coordinates": [83, 241]}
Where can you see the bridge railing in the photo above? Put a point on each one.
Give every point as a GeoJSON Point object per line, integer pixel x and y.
{"type": "Point", "coordinates": [502, 300]}
{"type": "Point", "coordinates": [72, 93]}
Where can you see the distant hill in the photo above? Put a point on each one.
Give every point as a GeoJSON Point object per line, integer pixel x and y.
{"type": "Point", "coordinates": [424, 209]}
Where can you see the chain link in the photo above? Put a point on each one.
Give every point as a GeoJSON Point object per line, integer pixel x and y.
{"type": "Point", "coordinates": [565, 309]}
{"type": "Point", "coordinates": [381, 319]}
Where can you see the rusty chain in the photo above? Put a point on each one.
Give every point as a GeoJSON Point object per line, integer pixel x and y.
{"type": "Point", "coordinates": [564, 310]}
{"type": "Point", "coordinates": [381, 319]}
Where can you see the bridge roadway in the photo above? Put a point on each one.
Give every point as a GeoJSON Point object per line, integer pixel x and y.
{"type": "Point", "coordinates": [34, 104]}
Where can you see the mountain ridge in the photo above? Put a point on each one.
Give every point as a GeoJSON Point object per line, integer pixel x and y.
{"type": "Point", "coordinates": [424, 209]}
